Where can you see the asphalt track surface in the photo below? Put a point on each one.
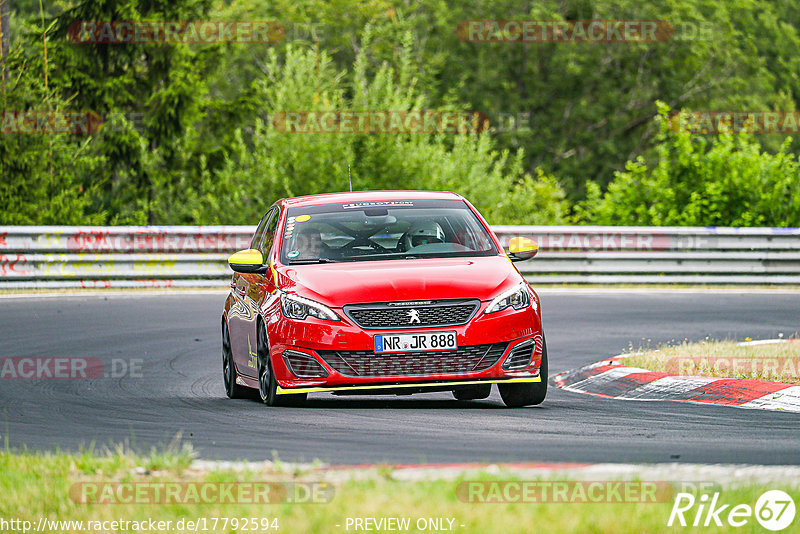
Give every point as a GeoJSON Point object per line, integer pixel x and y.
{"type": "Point", "coordinates": [179, 389]}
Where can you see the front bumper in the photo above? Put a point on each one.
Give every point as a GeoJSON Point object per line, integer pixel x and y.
{"type": "Point", "coordinates": [401, 387]}
{"type": "Point", "coordinates": [317, 339]}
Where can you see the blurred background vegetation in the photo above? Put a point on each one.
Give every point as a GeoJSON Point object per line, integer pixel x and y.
{"type": "Point", "coordinates": [579, 132]}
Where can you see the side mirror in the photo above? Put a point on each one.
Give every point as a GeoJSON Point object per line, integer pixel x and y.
{"type": "Point", "coordinates": [522, 248]}
{"type": "Point", "coordinates": [246, 261]}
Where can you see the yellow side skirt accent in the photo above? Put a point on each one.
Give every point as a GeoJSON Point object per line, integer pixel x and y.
{"type": "Point", "coordinates": [289, 391]}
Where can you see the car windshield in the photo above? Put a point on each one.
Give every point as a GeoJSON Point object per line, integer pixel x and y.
{"type": "Point", "coordinates": [386, 230]}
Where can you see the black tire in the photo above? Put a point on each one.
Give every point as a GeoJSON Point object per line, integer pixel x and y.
{"type": "Point", "coordinates": [267, 384]}
{"type": "Point", "coordinates": [229, 374]}
{"type": "Point", "coordinates": [527, 394]}
{"type": "Point", "coordinates": [475, 392]}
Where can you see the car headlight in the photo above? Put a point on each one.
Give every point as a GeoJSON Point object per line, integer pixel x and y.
{"type": "Point", "coordinates": [517, 297]}
{"type": "Point", "coordinates": [295, 307]}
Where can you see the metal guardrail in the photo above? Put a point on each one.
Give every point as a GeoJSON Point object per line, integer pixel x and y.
{"type": "Point", "coordinates": [194, 256]}
{"type": "Point", "coordinates": [650, 254]}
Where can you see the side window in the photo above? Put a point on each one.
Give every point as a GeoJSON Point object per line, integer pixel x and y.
{"type": "Point", "coordinates": [259, 235]}
{"type": "Point", "coordinates": [269, 233]}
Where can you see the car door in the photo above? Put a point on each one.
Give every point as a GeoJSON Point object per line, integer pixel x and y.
{"type": "Point", "coordinates": [262, 287]}
{"type": "Point", "coordinates": [242, 315]}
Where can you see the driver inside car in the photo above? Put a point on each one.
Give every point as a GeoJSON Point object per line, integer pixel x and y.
{"type": "Point", "coordinates": [309, 242]}
{"type": "Point", "coordinates": [423, 233]}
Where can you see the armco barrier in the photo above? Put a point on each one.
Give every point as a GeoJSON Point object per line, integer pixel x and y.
{"type": "Point", "coordinates": [171, 256]}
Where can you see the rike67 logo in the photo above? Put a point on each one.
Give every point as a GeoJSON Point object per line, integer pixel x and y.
{"type": "Point", "coordinates": [774, 510]}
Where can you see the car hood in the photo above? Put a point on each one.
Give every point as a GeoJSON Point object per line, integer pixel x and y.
{"type": "Point", "coordinates": [337, 284]}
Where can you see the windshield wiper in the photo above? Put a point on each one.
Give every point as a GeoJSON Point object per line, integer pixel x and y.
{"type": "Point", "coordinates": [313, 260]}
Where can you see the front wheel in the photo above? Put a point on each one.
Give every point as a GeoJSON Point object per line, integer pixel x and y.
{"type": "Point", "coordinates": [527, 394]}
{"type": "Point", "coordinates": [267, 384]}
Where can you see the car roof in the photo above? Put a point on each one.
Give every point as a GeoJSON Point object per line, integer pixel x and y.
{"type": "Point", "coordinates": [365, 196]}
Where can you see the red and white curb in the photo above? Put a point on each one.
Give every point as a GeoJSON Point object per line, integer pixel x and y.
{"type": "Point", "coordinates": [613, 379]}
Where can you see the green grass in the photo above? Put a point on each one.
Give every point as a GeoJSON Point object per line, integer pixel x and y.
{"type": "Point", "coordinates": [776, 362]}
{"type": "Point", "coordinates": [34, 485]}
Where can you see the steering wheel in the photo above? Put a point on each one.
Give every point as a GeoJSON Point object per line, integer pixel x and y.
{"type": "Point", "coordinates": [364, 241]}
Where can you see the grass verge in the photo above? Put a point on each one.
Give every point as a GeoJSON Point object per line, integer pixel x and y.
{"type": "Point", "coordinates": [39, 485]}
{"type": "Point", "coordinates": [775, 362]}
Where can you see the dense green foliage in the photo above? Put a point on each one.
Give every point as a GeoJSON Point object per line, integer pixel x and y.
{"type": "Point", "coordinates": [279, 164]}
{"type": "Point", "coordinates": [726, 181]}
{"type": "Point", "coordinates": [577, 136]}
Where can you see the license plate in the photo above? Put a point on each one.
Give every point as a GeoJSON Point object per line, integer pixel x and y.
{"type": "Point", "coordinates": [422, 341]}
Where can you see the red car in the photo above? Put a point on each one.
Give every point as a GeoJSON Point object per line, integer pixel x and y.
{"type": "Point", "coordinates": [381, 292]}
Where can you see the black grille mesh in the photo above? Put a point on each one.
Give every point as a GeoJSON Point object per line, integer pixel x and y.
{"type": "Point", "coordinates": [471, 359]}
{"type": "Point", "coordinates": [520, 356]}
{"type": "Point", "coordinates": [445, 314]}
{"type": "Point", "coordinates": [303, 366]}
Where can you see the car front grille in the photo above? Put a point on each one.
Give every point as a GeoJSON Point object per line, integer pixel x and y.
{"type": "Point", "coordinates": [442, 313]}
{"type": "Point", "coordinates": [470, 359]}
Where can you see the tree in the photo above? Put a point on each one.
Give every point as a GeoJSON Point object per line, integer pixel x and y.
{"type": "Point", "coordinates": [725, 180]}
{"type": "Point", "coordinates": [275, 163]}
